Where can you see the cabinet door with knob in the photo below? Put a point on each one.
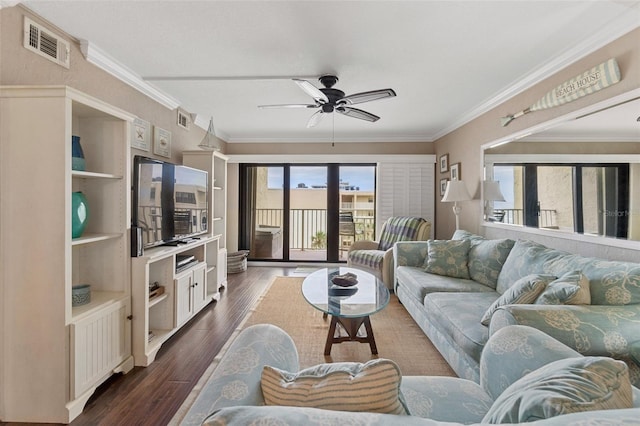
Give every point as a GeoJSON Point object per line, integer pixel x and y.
{"type": "Point", "coordinates": [191, 292]}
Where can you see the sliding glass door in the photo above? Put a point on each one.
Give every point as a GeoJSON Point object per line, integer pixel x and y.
{"type": "Point", "coordinates": [308, 213]}
{"type": "Point", "coordinates": [305, 213]}
{"type": "Point", "coordinates": [262, 202]}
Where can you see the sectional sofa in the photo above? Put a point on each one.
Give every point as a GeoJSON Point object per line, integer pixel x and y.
{"type": "Point", "coordinates": [526, 375]}
{"type": "Point", "coordinates": [449, 287]}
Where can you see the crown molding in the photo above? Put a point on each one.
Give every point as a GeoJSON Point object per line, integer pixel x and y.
{"type": "Point", "coordinates": [101, 59]}
{"type": "Point", "coordinates": [562, 158]}
{"type": "Point", "coordinates": [331, 158]}
{"type": "Point", "coordinates": [325, 139]}
{"type": "Point", "coordinates": [621, 26]}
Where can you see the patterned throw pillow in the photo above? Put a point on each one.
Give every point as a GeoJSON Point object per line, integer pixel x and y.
{"type": "Point", "coordinates": [525, 290]}
{"type": "Point", "coordinates": [570, 289]}
{"type": "Point", "coordinates": [566, 386]}
{"type": "Point", "coordinates": [448, 257]}
{"type": "Point", "coordinates": [342, 386]}
{"type": "Point", "coordinates": [486, 258]}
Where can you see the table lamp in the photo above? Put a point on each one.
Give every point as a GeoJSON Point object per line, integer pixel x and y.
{"type": "Point", "coordinates": [490, 192]}
{"type": "Point", "coordinates": [456, 191]}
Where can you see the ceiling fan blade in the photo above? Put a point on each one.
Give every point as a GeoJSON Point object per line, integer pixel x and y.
{"type": "Point", "coordinates": [311, 90]}
{"type": "Point", "coordinates": [357, 113]}
{"type": "Point", "coordinates": [288, 106]}
{"type": "Point", "coordinates": [358, 98]}
{"type": "Point", "coordinates": [315, 119]}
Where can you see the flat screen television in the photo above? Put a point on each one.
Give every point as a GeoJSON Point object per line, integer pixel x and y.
{"type": "Point", "coordinates": [169, 201]}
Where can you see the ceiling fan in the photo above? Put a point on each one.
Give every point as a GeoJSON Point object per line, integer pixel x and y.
{"type": "Point", "coordinates": [327, 100]}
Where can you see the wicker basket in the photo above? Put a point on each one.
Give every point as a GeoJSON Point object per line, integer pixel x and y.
{"type": "Point", "coordinates": [237, 261]}
{"type": "Point", "coordinates": [80, 295]}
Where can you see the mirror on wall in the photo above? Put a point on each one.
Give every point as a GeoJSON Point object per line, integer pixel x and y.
{"type": "Point", "coordinates": [580, 175]}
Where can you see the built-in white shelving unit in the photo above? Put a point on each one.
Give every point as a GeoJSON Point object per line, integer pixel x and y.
{"type": "Point", "coordinates": [215, 164]}
{"type": "Point", "coordinates": [185, 291]}
{"type": "Point", "coordinates": [54, 355]}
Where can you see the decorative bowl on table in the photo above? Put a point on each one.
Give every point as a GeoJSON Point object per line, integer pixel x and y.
{"type": "Point", "coordinates": [345, 280]}
{"type": "Point", "coordinates": [342, 292]}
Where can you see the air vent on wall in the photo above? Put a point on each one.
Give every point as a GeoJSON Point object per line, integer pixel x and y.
{"type": "Point", "coordinates": [45, 43]}
{"type": "Point", "coordinates": [183, 119]}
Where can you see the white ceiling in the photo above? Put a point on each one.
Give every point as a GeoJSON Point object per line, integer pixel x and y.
{"type": "Point", "coordinates": [448, 61]}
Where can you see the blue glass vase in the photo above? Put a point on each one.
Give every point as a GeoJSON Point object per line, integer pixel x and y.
{"type": "Point", "coordinates": [79, 214]}
{"type": "Point", "coordinates": [77, 156]}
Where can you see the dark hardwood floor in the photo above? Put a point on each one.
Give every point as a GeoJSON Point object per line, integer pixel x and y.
{"type": "Point", "coordinates": [152, 395]}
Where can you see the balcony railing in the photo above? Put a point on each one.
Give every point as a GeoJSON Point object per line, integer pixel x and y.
{"type": "Point", "coordinates": [308, 227]}
{"type": "Point", "coordinates": [547, 217]}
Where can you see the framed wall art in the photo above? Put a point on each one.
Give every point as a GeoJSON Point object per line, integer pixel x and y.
{"type": "Point", "coordinates": [140, 134]}
{"type": "Point", "coordinates": [443, 186]}
{"type": "Point", "coordinates": [444, 163]}
{"type": "Point", "coordinates": [455, 172]}
{"type": "Point", "coordinates": [161, 142]}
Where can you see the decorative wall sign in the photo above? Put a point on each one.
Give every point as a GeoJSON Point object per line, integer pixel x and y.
{"type": "Point", "coordinates": [140, 134]}
{"type": "Point", "coordinates": [597, 78]}
{"type": "Point", "coordinates": [444, 163]}
{"type": "Point", "coordinates": [455, 171]}
{"type": "Point", "coordinates": [161, 142]}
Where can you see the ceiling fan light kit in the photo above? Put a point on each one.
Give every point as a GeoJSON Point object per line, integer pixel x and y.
{"type": "Point", "coordinates": [327, 100]}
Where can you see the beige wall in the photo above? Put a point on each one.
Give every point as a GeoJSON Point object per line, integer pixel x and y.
{"type": "Point", "coordinates": [464, 144]}
{"type": "Point", "coordinates": [27, 68]}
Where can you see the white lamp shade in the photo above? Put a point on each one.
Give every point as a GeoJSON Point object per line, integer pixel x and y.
{"type": "Point", "coordinates": [456, 191]}
{"type": "Point", "coordinates": [491, 191]}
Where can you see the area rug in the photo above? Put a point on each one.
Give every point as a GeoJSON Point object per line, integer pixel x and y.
{"type": "Point", "coordinates": [397, 336]}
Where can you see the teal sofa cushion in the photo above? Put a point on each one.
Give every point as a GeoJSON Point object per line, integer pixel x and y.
{"type": "Point", "coordinates": [448, 257]}
{"type": "Point", "coordinates": [486, 257]}
{"type": "Point", "coordinates": [446, 399]}
{"type": "Point", "coordinates": [611, 282]}
{"type": "Point", "coordinates": [566, 386]}
{"type": "Point", "coordinates": [527, 257]}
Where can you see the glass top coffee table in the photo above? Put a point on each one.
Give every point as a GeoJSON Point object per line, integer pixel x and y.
{"type": "Point", "coordinates": [348, 306]}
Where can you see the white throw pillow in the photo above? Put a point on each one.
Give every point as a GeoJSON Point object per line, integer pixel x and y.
{"type": "Point", "coordinates": [346, 386]}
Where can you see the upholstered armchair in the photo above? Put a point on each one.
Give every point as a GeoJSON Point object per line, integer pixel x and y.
{"type": "Point", "coordinates": [376, 257]}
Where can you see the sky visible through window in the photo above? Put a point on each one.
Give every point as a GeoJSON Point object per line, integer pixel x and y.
{"type": "Point", "coordinates": [362, 177]}
{"type": "Point", "coordinates": [504, 175]}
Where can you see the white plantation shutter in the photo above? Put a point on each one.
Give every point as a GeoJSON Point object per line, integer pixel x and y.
{"type": "Point", "coordinates": [405, 189]}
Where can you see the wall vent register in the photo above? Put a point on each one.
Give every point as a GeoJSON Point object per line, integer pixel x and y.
{"type": "Point", "coordinates": [45, 43]}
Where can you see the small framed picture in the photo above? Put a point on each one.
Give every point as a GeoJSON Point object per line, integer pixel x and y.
{"type": "Point", "coordinates": [161, 142]}
{"type": "Point", "coordinates": [443, 186]}
{"type": "Point", "coordinates": [444, 163]}
{"type": "Point", "coordinates": [140, 134]}
{"type": "Point", "coordinates": [455, 172]}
